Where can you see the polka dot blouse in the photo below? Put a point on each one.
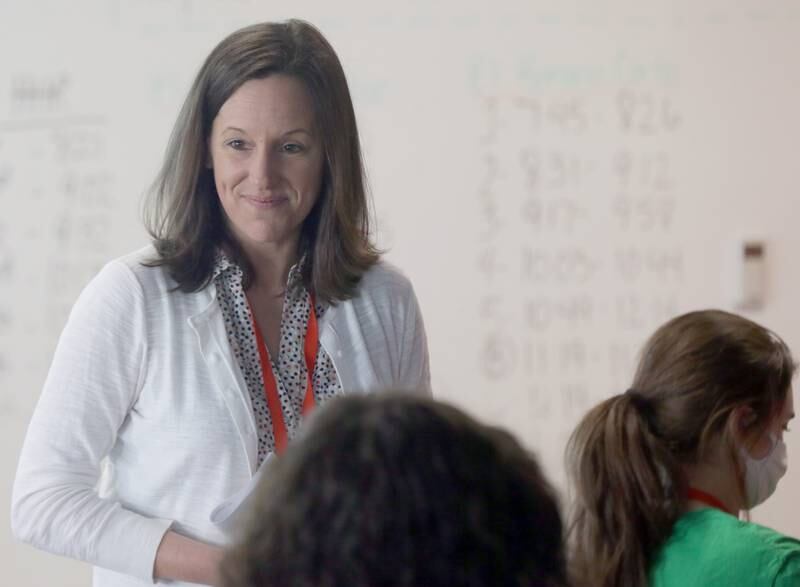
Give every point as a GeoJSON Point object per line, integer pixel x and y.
{"type": "Point", "coordinates": [290, 367]}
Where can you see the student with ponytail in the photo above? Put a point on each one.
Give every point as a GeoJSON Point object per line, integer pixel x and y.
{"type": "Point", "coordinates": [662, 471]}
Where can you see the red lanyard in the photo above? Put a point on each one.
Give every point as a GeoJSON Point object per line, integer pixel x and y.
{"type": "Point", "coordinates": [707, 498]}
{"type": "Point", "coordinates": [270, 385]}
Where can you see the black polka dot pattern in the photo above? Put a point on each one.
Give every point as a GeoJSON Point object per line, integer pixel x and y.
{"type": "Point", "coordinates": [290, 367]}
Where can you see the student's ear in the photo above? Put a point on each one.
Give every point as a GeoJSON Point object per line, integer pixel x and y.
{"type": "Point", "coordinates": [741, 423]}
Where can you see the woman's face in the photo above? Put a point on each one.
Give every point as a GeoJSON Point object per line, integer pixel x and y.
{"type": "Point", "coordinates": [267, 160]}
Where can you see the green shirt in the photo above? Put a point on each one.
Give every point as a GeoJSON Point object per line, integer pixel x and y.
{"type": "Point", "coordinates": [709, 548]}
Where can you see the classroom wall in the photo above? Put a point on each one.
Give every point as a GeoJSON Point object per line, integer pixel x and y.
{"type": "Point", "coordinates": [557, 178]}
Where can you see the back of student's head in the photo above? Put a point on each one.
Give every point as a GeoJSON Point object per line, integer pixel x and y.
{"type": "Point", "coordinates": [396, 490]}
{"type": "Point", "coordinates": [627, 455]}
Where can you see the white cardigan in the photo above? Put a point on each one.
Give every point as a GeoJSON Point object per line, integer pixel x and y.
{"type": "Point", "coordinates": [146, 377]}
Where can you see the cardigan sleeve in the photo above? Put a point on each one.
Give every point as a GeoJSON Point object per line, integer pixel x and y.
{"type": "Point", "coordinates": [93, 382]}
{"type": "Point", "coordinates": [414, 361]}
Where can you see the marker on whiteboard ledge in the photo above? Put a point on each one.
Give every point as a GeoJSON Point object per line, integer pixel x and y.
{"type": "Point", "coordinates": [751, 275]}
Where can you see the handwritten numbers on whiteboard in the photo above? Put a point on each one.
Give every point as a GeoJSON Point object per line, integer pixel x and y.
{"type": "Point", "coordinates": [643, 214]}
{"type": "Point", "coordinates": [37, 95]}
{"type": "Point", "coordinates": [642, 112]}
{"type": "Point", "coordinates": [643, 170]}
{"type": "Point", "coordinates": [498, 356]}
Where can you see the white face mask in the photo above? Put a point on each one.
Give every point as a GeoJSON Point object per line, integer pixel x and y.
{"type": "Point", "coordinates": [761, 476]}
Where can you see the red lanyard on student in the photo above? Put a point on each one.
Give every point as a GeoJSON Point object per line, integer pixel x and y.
{"type": "Point", "coordinates": [706, 498]}
{"type": "Point", "coordinates": [270, 385]}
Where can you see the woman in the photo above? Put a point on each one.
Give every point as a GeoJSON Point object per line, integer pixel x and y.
{"type": "Point", "coordinates": [662, 471]}
{"type": "Point", "coordinates": [186, 364]}
{"type": "Point", "coordinates": [400, 491]}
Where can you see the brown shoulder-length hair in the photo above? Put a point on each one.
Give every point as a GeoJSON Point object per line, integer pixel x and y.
{"type": "Point", "coordinates": [183, 214]}
{"type": "Point", "coordinates": [625, 457]}
{"type": "Point", "coordinates": [399, 490]}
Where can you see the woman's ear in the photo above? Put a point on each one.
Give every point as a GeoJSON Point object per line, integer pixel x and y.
{"type": "Point", "coordinates": [740, 422]}
{"type": "Point", "coordinates": [744, 430]}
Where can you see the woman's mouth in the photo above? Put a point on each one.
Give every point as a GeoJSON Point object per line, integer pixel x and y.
{"type": "Point", "coordinates": [265, 201]}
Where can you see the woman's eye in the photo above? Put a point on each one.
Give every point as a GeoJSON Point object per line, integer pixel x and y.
{"type": "Point", "coordinates": [237, 144]}
{"type": "Point", "coordinates": [292, 148]}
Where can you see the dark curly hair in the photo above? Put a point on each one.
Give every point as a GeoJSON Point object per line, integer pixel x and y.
{"type": "Point", "coordinates": [397, 490]}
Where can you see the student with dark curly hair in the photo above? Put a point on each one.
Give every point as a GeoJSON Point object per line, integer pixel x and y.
{"type": "Point", "coordinates": [395, 490]}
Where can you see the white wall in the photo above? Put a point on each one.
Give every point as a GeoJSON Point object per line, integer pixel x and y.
{"type": "Point", "coordinates": [556, 177]}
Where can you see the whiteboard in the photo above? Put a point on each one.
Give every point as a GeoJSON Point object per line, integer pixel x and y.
{"type": "Point", "coordinates": [557, 178]}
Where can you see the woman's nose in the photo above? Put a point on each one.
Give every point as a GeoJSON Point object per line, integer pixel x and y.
{"type": "Point", "coordinates": [264, 169]}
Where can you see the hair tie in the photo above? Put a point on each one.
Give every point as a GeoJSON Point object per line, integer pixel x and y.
{"type": "Point", "coordinates": [635, 395]}
{"type": "Point", "coordinates": [643, 405]}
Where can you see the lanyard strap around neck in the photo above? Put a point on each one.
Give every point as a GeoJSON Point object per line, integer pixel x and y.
{"type": "Point", "coordinates": [310, 349]}
{"type": "Point", "coordinates": [695, 494]}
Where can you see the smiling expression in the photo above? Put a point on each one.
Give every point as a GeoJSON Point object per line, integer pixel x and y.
{"type": "Point", "coordinates": [267, 160]}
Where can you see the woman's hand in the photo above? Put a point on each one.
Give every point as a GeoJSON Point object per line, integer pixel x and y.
{"type": "Point", "coordinates": [184, 559]}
